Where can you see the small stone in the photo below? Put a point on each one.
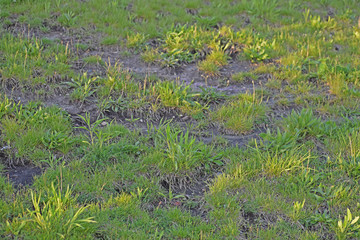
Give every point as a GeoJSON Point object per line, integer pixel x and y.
{"type": "Point", "coordinates": [185, 118]}
{"type": "Point", "coordinates": [104, 123]}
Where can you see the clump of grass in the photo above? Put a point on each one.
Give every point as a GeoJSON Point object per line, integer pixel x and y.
{"type": "Point", "coordinates": [118, 82]}
{"type": "Point", "coordinates": [209, 67]}
{"type": "Point", "coordinates": [33, 132]}
{"type": "Point", "coordinates": [68, 19]}
{"type": "Point", "coordinates": [279, 163]}
{"type": "Point", "coordinates": [93, 60]}
{"type": "Point", "coordinates": [240, 114]}
{"type": "Point", "coordinates": [57, 216]}
{"type": "Point", "coordinates": [178, 95]}
{"type": "Point", "coordinates": [218, 57]}
{"type": "Point", "coordinates": [244, 76]}
{"type": "Point", "coordinates": [279, 142]}
{"type": "Point", "coordinates": [150, 55]}
{"type": "Point", "coordinates": [136, 41]}
{"type": "Point", "coordinates": [83, 87]}
{"type": "Point", "coordinates": [189, 43]}
{"type": "Point", "coordinates": [28, 57]}
{"type": "Point", "coordinates": [183, 153]}
{"type": "Point", "coordinates": [213, 61]}
{"type": "Point", "coordinates": [258, 50]}
{"type": "Point", "coordinates": [210, 95]}
{"type": "Point", "coordinates": [303, 123]}
{"type": "Point", "coordinates": [110, 40]}
{"type": "Point", "coordinates": [348, 227]}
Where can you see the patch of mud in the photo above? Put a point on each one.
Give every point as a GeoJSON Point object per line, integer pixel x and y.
{"type": "Point", "coordinates": [232, 140]}
{"type": "Point", "coordinates": [22, 175]}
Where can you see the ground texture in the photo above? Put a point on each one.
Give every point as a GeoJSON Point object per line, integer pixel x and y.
{"type": "Point", "coordinates": [134, 119]}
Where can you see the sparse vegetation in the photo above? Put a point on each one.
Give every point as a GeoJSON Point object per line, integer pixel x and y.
{"type": "Point", "coordinates": [179, 119]}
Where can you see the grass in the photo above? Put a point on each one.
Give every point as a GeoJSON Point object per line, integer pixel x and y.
{"type": "Point", "coordinates": [139, 123]}
{"type": "Point", "coordinates": [240, 114]}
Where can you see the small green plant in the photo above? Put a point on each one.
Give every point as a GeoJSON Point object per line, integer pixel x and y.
{"type": "Point", "coordinates": [151, 55]}
{"type": "Point", "coordinates": [348, 227]}
{"type": "Point", "coordinates": [7, 106]}
{"type": "Point", "coordinates": [244, 76]}
{"type": "Point", "coordinates": [68, 19]}
{"type": "Point", "coordinates": [32, 131]}
{"type": "Point", "coordinates": [323, 218]}
{"type": "Point", "coordinates": [95, 136]}
{"type": "Point", "coordinates": [178, 95]}
{"type": "Point", "coordinates": [297, 207]}
{"type": "Point", "coordinates": [47, 216]}
{"type": "Point", "coordinates": [176, 57]}
{"type": "Point", "coordinates": [210, 95]}
{"type": "Point", "coordinates": [209, 67]}
{"type": "Point", "coordinates": [240, 114]}
{"type": "Point", "coordinates": [57, 140]}
{"type": "Point", "coordinates": [218, 57]}
{"type": "Point", "coordinates": [54, 217]}
{"type": "Point", "coordinates": [139, 194]}
{"type": "Point", "coordinates": [52, 161]}
{"type": "Point", "coordinates": [184, 153]}
{"type": "Point", "coordinates": [303, 123]}
{"type": "Point", "coordinates": [110, 40]}
{"type": "Point", "coordinates": [332, 195]}
{"type": "Point", "coordinates": [93, 60]}
{"type": "Point", "coordinates": [170, 196]}
{"type": "Point", "coordinates": [258, 51]}
{"type": "Point", "coordinates": [83, 87]}
{"type": "Point", "coordinates": [263, 8]}
{"type": "Point", "coordinates": [279, 142]}
{"type": "Point", "coordinates": [136, 41]}
{"type": "Point", "coordinates": [276, 164]}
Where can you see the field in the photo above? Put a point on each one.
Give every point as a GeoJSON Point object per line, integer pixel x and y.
{"type": "Point", "coordinates": [182, 119]}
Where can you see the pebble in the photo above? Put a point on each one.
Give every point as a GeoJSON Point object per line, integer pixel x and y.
{"type": "Point", "coordinates": [185, 118]}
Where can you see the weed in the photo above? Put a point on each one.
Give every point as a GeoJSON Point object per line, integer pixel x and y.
{"type": "Point", "coordinates": [139, 194]}
{"type": "Point", "coordinates": [348, 227]}
{"type": "Point", "coordinates": [93, 60]}
{"type": "Point", "coordinates": [303, 123]}
{"type": "Point", "coordinates": [209, 67]}
{"type": "Point", "coordinates": [332, 195]}
{"type": "Point", "coordinates": [178, 95]}
{"type": "Point", "coordinates": [83, 87]}
{"type": "Point", "coordinates": [95, 135]}
{"type": "Point", "coordinates": [151, 55]}
{"type": "Point", "coordinates": [275, 164]}
{"type": "Point", "coordinates": [241, 114]}
{"type": "Point", "coordinates": [136, 41]}
{"type": "Point", "coordinates": [52, 161]}
{"type": "Point", "coordinates": [171, 195]}
{"type": "Point", "coordinates": [28, 129]}
{"type": "Point", "coordinates": [297, 207]}
{"type": "Point", "coordinates": [68, 19]}
{"type": "Point", "coordinates": [183, 152]}
{"type": "Point", "coordinates": [109, 40]}
{"type": "Point", "coordinates": [244, 76]}
{"type": "Point", "coordinates": [210, 95]}
{"type": "Point", "coordinates": [55, 217]}
{"type": "Point", "coordinates": [281, 142]}
{"type": "Point", "coordinates": [258, 51]}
